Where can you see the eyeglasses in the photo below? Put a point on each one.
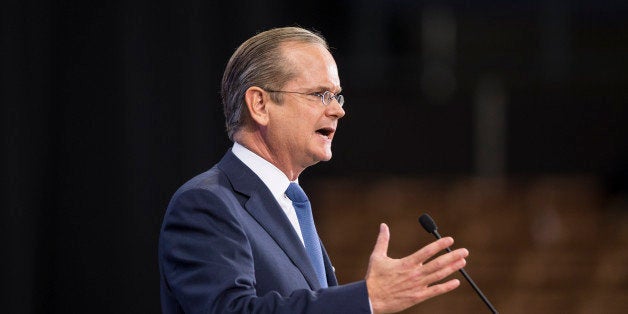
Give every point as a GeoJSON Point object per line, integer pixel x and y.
{"type": "Point", "coordinates": [326, 97]}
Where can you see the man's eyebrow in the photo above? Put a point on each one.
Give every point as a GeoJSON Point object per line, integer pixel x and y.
{"type": "Point", "coordinates": [326, 88]}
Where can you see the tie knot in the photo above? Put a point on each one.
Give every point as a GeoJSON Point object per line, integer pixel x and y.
{"type": "Point", "coordinates": [295, 193]}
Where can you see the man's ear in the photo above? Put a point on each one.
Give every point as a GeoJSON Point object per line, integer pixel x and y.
{"type": "Point", "coordinates": [257, 105]}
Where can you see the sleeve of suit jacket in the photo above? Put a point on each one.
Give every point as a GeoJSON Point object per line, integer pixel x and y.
{"type": "Point", "coordinates": [207, 265]}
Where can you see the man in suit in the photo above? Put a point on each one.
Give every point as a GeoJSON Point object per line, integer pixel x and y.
{"type": "Point", "coordinates": [239, 238]}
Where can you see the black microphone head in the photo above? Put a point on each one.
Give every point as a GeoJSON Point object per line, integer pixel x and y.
{"type": "Point", "coordinates": [428, 223]}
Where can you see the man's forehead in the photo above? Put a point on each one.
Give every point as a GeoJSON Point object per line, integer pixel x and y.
{"type": "Point", "coordinates": [313, 62]}
{"type": "Point", "coordinates": [297, 50]}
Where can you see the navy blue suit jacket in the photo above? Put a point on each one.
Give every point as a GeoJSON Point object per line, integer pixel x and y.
{"type": "Point", "coordinates": [226, 246]}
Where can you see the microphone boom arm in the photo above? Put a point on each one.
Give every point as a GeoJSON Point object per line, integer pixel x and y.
{"type": "Point", "coordinates": [430, 226]}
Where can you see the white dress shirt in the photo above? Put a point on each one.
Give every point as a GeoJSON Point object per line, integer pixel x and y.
{"type": "Point", "coordinates": [273, 178]}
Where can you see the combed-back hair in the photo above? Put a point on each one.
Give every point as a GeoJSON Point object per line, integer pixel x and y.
{"type": "Point", "coordinates": [259, 62]}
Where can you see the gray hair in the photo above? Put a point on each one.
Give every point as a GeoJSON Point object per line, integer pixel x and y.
{"type": "Point", "coordinates": [259, 62]}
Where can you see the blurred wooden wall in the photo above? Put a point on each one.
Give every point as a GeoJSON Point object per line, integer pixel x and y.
{"type": "Point", "coordinates": [537, 245]}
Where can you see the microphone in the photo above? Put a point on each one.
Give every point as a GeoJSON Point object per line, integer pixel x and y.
{"type": "Point", "coordinates": [430, 226]}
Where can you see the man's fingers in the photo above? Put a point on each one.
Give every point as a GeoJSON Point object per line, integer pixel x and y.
{"type": "Point", "coordinates": [437, 269]}
{"type": "Point", "coordinates": [446, 260]}
{"type": "Point", "coordinates": [381, 246]}
{"type": "Point", "coordinates": [396, 284]}
{"type": "Point", "coordinates": [438, 289]}
{"type": "Point", "coordinates": [431, 249]}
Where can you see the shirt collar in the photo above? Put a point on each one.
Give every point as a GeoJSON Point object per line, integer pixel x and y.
{"type": "Point", "coordinates": [276, 181]}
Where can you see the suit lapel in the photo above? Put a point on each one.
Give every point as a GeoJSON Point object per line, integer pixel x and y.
{"type": "Point", "coordinates": [262, 205]}
{"type": "Point", "coordinates": [329, 269]}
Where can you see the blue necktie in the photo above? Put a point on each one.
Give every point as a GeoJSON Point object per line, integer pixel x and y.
{"type": "Point", "coordinates": [312, 243]}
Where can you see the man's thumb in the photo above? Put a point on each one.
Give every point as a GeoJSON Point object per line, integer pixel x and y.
{"type": "Point", "coordinates": [381, 246]}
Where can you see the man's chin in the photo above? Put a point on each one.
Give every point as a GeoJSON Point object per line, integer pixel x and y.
{"type": "Point", "coordinates": [327, 157]}
{"type": "Point", "coordinates": [321, 158]}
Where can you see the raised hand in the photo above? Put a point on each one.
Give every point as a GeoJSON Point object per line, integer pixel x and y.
{"type": "Point", "coordinates": [397, 284]}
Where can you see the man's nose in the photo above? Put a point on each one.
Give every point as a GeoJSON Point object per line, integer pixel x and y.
{"type": "Point", "coordinates": [335, 110]}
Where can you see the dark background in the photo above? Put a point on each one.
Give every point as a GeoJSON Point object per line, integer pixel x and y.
{"type": "Point", "coordinates": [107, 107]}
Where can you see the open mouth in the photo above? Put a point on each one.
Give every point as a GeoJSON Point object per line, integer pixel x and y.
{"type": "Point", "coordinates": [326, 132]}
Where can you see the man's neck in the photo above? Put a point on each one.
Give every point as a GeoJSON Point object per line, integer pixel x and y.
{"type": "Point", "coordinates": [255, 143]}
